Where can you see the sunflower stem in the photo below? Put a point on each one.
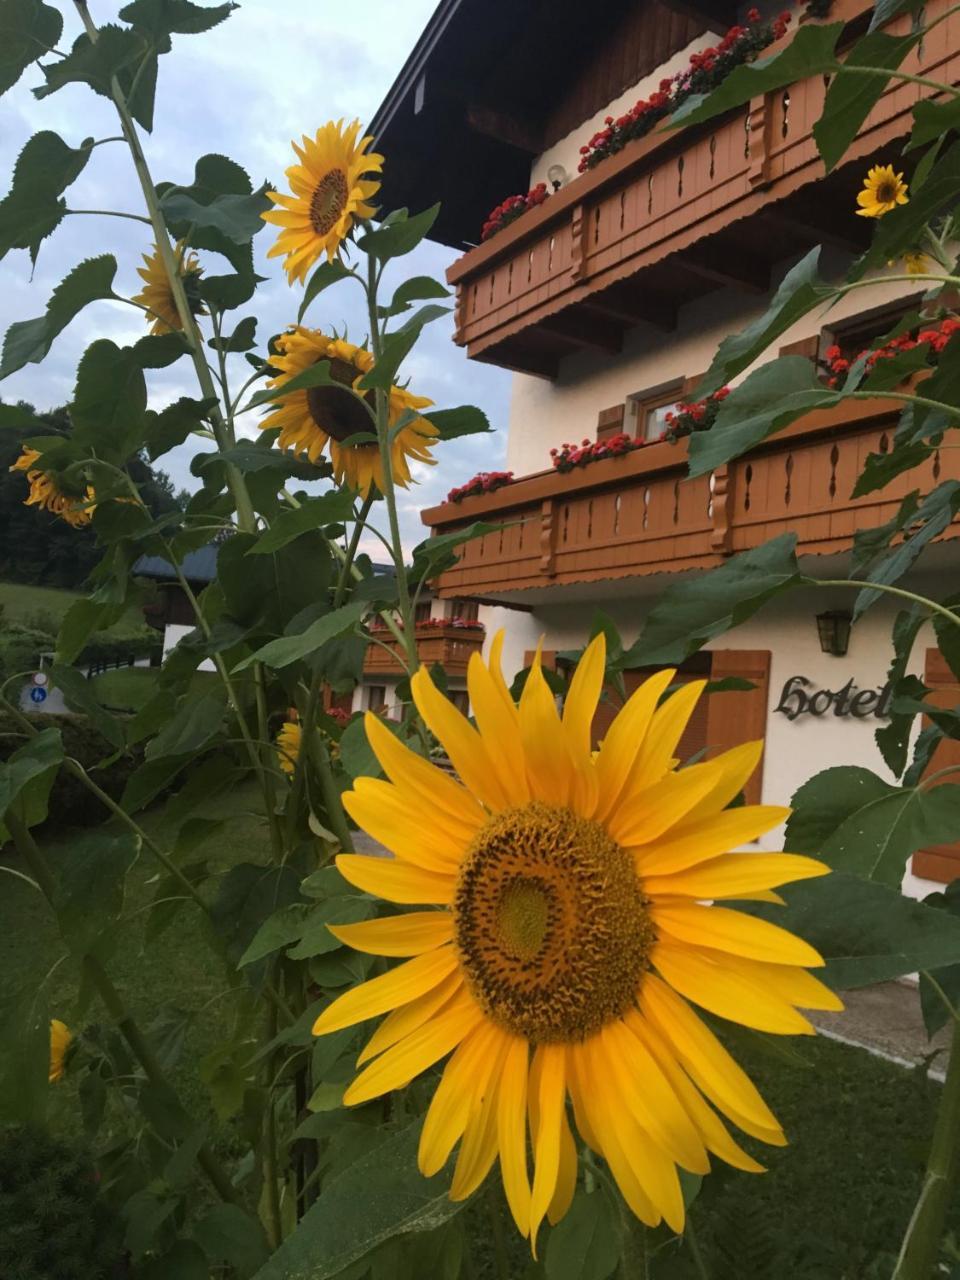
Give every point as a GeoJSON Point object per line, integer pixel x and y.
{"type": "Point", "coordinates": [863, 584]}
{"type": "Point", "coordinates": [921, 1244]}
{"type": "Point", "coordinates": [386, 460]}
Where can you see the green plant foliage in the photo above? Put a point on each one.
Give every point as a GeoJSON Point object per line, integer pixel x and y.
{"type": "Point", "coordinates": [27, 29]}
{"type": "Point", "coordinates": [586, 1244]}
{"type": "Point", "coordinates": [28, 341]}
{"type": "Point", "coordinates": [33, 208]}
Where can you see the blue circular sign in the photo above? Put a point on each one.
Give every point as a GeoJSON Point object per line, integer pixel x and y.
{"type": "Point", "coordinates": [37, 694]}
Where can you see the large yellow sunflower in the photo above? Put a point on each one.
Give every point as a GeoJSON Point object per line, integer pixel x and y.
{"type": "Point", "coordinates": [46, 494]}
{"type": "Point", "coordinates": [157, 296]}
{"type": "Point", "coordinates": [882, 191]}
{"type": "Point", "coordinates": [61, 1038]}
{"type": "Point", "coordinates": [325, 417]}
{"type": "Point", "coordinates": [330, 192]}
{"type": "Point", "coordinates": [568, 925]}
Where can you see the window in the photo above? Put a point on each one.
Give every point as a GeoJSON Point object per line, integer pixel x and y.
{"type": "Point", "coordinates": [650, 408]}
{"type": "Point", "coordinates": [856, 334]}
{"type": "Point", "coordinates": [422, 611]}
{"type": "Point", "coordinates": [376, 697]}
{"type": "Point", "coordinates": [467, 610]}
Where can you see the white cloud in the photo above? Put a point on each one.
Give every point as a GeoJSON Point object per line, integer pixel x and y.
{"type": "Point", "coordinates": [245, 89]}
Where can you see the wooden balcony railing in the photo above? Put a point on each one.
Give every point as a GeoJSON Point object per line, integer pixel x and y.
{"type": "Point", "coordinates": [639, 514]}
{"type": "Point", "coordinates": [450, 646]}
{"type": "Point", "coordinates": [689, 210]}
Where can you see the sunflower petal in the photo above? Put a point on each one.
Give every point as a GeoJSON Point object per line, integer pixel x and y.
{"type": "Point", "coordinates": [734, 874]}
{"type": "Point", "coordinates": [409, 934]}
{"type": "Point", "coordinates": [551, 1092]}
{"type": "Point", "coordinates": [512, 1133]}
{"type": "Point", "coordinates": [457, 1096]}
{"type": "Point", "coordinates": [396, 881]}
{"type": "Point", "coordinates": [407, 769]}
{"type": "Point", "coordinates": [624, 740]}
{"type": "Point", "coordinates": [379, 995]}
{"type": "Point", "coordinates": [692, 842]}
{"type": "Point", "coordinates": [460, 740]}
{"type": "Point", "coordinates": [723, 929]}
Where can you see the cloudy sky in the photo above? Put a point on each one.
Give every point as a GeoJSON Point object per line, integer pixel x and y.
{"type": "Point", "coordinates": [270, 73]}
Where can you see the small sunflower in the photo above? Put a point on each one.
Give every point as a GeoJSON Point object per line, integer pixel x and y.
{"type": "Point", "coordinates": [882, 191]}
{"type": "Point", "coordinates": [60, 1040]}
{"type": "Point", "coordinates": [330, 193]}
{"type": "Point", "coordinates": [288, 746]}
{"type": "Point", "coordinates": [46, 494]}
{"type": "Point", "coordinates": [916, 263]}
{"type": "Point", "coordinates": [577, 900]}
{"type": "Point", "coordinates": [158, 298]}
{"type": "Point", "coordinates": [325, 417]}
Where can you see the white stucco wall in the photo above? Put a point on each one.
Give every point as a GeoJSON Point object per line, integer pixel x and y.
{"type": "Point", "coordinates": [795, 750]}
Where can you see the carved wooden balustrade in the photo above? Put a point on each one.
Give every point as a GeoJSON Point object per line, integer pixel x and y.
{"type": "Point", "coordinates": [676, 214]}
{"type": "Point", "coordinates": [639, 513]}
{"type": "Point", "coordinates": [448, 645]}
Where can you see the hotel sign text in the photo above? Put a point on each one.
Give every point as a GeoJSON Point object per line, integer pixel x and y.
{"type": "Point", "coordinates": [800, 697]}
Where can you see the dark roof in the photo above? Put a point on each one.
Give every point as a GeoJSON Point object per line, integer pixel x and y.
{"type": "Point", "coordinates": [197, 566]}
{"type": "Point", "coordinates": [476, 99]}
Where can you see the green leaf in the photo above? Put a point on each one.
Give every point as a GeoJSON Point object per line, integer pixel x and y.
{"type": "Point", "coordinates": [27, 776]}
{"type": "Point", "coordinates": [80, 695]}
{"type": "Point", "coordinates": [867, 932]}
{"type": "Point", "coordinates": [89, 896]}
{"type": "Point", "coordinates": [195, 723]}
{"type": "Point", "coordinates": [17, 418]}
{"type": "Point", "coordinates": [243, 337]}
{"type": "Point", "coordinates": [948, 636]}
{"type": "Point", "coordinates": [809, 53]}
{"type": "Point", "coordinates": [768, 400]}
{"type": "Point", "coordinates": [924, 523]}
{"type": "Point", "coordinates": [287, 649]}
{"type": "Point", "coordinates": [81, 620]}
{"type": "Point", "coordinates": [356, 754]}
{"type": "Point", "coordinates": [435, 554]}
{"type": "Point", "coordinates": [315, 375]}
{"type": "Point", "coordinates": [109, 401]}
{"type": "Point", "coordinates": [159, 350]}
{"type": "Point", "coordinates": [933, 119]}
{"type": "Point", "coordinates": [691, 612]}
{"type": "Point", "coordinates": [943, 385]}
{"type": "Point", "coordinates": [416, 289]}
{"type": "Point", "coordinates": [28, 341]}
{"type": "Point", "coordinates": [163, 431]}
{"type": "Point", "coordinates": [585, 1243]}
{"type": "Point", "coordinates": [851, 97]}
{"type": "Point", "coordinates": [94, 62]}
{"type": "Point", "coordinates": [163, 18]}
{"type": "Point", "coordinates": [217, 177]}
{"type": "Point", "coordinates": [880, 468]}
{"type": "Point", "coordinates": [465, 420]}
{"type": "Point", "coordinates": [227, 1234]}
{"type": "Point", "coordinates": [893, 737]}
{"type": "Point", "coordinates": [317, 940]}
{"type": "Point", "coordinates": [24, 1055]}
{"type": "Point", "coordinates": [400, 235]}
{"type": "Point", "coordinates": [884, 10]}
{"type": "Point", "coordinates": [236, 217]}
{"type": "Point", "coordinates": [185, 1261]}
{"type": "Point", "coordinates": [326, 274]}
{"type": "Point", "coordinates": [800, 291]}
{"type": "Point", "coordinates": [45, 168]}
{"type": "Point", "coordinates": [902, 228]}
{"type": "Point", "coordinates": [247, 895]}
{"type": "Point", "coordinates": [28, 29]}
{"type": "Point", "coordinates": [277, 931]}
{"type": "Point", "coordinates": [377, 1198]}
{"type": "Point", "coordinates": [395, 350]}
{"type": "Point", "coordinates": [330, 508]}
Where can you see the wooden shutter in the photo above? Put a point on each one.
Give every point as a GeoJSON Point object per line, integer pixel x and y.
{"type": "Point", "coordinates": [610, 421]}
{"type": "Point", "coordinates": [942, 861]}
{"type": "Point", "coordinates": [735, 718]}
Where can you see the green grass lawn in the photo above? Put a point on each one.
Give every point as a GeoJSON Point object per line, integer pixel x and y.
{"type": "Point", "coordinates": [833, 1201]}
{"type": "Point", "coordinates": [20, 601]}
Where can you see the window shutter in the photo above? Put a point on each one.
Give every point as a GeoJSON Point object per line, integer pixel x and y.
{"type": "Point", "coordinates": [610, 421]}
{"type": "Point", "coordinates": [942, 861]}
{"type": "Point", "coordinates": [735, 718]}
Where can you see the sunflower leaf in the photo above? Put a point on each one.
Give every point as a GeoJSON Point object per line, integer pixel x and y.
{"type": "Point", "coordinates": [235, 216]}
{"type": "Point", "coordinates": [396, 348]}
{"type": "Point", "coordinates": [326, 274]}
{"type": "Point", "coordinates": [242, 338]}
{"type": "Point", "coordinates": [27, 30]}
{"type": "Point", "coordinates": [28, 341]}
{"type": "Point", "coordinates": [33, 209]}
{"type": "Point", "coordinates": [434, 555]}
{"type": "Point", "coordinates": [851, 98]}
{"type": "Point", "coordinates": [329, 508]}
{"type": "Point", "coordinates": [416, 289]}
{"type": "Point", "coordinates": [768, 400]}
{"type": "Point", "coordinates": [931, 120]}
{"type": "Point", "coordinates": [162, 18]}
{"type": "Point", "coordinates": [287, 649]}
{"type": "Point", "coordinates": [586, 1243]}
{"type": "Point", "coordinates": [109, 401]}
{"type": "Point", "coordinates": [315, 375]}
{"type": "Point", "coordinates": [464, 420]}
{"type": "Point", "coordinates": [877, 562]}
{"type": "Point", "coordinates": [810, 52]}
{"type": "Point", "coordinates": [94, 62]}
{"type": "Point", "coordinates": [401, 235]}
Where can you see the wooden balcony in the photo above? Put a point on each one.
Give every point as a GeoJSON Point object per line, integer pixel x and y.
{"type": "Point", "coordinates": [675, 215]}
{"type": "Point", "coordinates": [639, 514]}
{"type": "Point", "coordinates": [450, 646]}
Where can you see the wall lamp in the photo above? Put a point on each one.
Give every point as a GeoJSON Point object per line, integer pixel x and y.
{"type": "Point", "coordinates": [833, 628]}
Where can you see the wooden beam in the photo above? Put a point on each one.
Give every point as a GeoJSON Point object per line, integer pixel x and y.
{"type": "Point", "coordinates": [630, 307]}
{"type": "Point", "coordinates": [491, 123]}
{"type": "Point", "coordinates": [585, 330]}
{"type": "Point", "coordinates": [726, 265]}
{"type": "Point", "coordinates": [715, 17]}
{"type": "Point", "coordinates": [811, 229]}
